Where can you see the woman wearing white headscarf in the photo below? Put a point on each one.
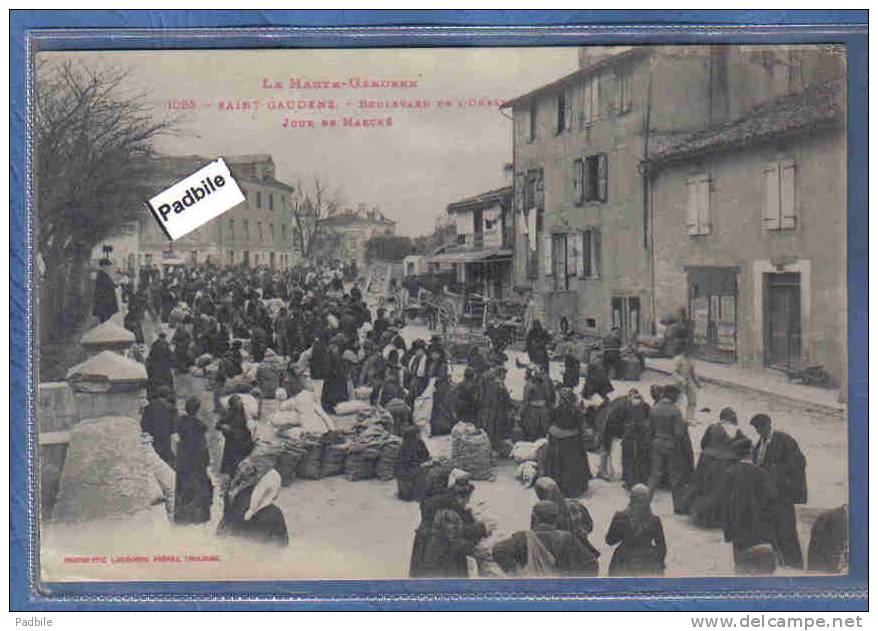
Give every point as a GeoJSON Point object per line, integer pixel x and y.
{"type": "Point", "coordinates": [641, 550]}
{"type": "Point", "coordinates": [250, 512]}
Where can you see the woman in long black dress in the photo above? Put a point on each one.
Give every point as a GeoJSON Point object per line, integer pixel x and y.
{"type": "Point", "coordinates": [239, 440]}
{"type": "Point", "coordinates": [642, 549]}
{"type": "Point", "coordinates": [194, 490]}
{"type": "Point", "coordinates": [566, 459]}
{"type": "Point", "coordinates": [412, 454]}
{"type": "Point", "coordinates": [442, 416]}
{"type": "Point", "coordinates": [335, 388]}
{"type": "Point", "coordinates": [250, 512]}
{"type": "Point", "coordinates": [438, 497]}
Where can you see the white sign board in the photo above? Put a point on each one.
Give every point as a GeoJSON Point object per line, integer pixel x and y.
{"type": "Point", "coordinates": [191, 202]}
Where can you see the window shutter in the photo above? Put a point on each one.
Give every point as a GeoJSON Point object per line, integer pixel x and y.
{"type": "Point", "coordinates": [595, 98]}
{"type": "Point", "coordinates": [586, 105]}
{"type": "Point", "coordinates": [704, 205]}
{"type": "Point", "coordinates": [596, 253]}
{"type": "Point", "coordinates": [787, 195]}
{"type": "Point", "coordinates": [579, 253]}
{"type": "Point", "coordinates": [546, 254]}
{"type": "Point", "coordinates": [692, 206]}
{"type": "Point", "coordinates": [520, 185]}
{"type": "Point", "coordinates": [602, 177]}
{"type": "Point", "coordinates": [540, 190]}
{"type": "Point", "coordinates": [577, 182]}
{"type": "Point", "coordinates": [568, 109]}
{"type": "Point", "coordinates": [771, 204]}
{"type": "Point", "coordinates": [572, 253]}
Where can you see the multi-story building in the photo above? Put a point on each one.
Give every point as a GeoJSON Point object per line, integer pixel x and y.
{"type": "Point", "coordinates": [480, 261]}
{"type": "Point", "coordinates": [342, 236]}
{"type": "Point", "coordinates": [259, 231]}
{"type": "Point", "coordinates": [750, 221]}
{"type": "Point", "coordinates": [597, 237]}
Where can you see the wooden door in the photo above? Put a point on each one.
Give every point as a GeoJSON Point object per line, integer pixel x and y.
{"type": "Point", "coordinates": [783, 343]}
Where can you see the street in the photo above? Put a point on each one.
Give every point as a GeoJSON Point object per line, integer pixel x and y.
{"type": "Point", "coordinates": [359, 530]}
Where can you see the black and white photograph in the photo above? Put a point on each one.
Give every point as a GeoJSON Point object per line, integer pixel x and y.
{"type": "Point", "coordinates": [412, 313]}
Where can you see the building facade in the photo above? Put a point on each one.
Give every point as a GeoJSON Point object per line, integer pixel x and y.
{"type": "Point", "coordinates": [750, 233]}
{"type": "Point", "coordinates": [259, 231]}
{"type": "Point", "coordinates": [342, 237]}
{"type": "Point", "coordinates": [583, 216]}
{"type": "Point", "coordinates": [480, 259]}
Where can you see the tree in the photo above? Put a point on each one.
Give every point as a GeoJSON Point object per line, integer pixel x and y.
{"type": "Point", "coordinates": [443, 233]}
{"type": "Point", "coordinates": [388, 247]}
{"type": "Point", "coordinates": [311, 206]}
{"type": "Point", "coordinates": [93, 145]}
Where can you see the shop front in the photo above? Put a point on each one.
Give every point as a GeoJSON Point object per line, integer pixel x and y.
{"type": "Point", "coordinates": [713, 310]}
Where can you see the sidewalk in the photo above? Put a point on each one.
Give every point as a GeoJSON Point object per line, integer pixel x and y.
{"type": "Point", "coordinates": [762, 380]}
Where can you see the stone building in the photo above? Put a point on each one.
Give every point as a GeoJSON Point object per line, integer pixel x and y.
{"type": "Point", "coordinates": [591, 224]}
{"type": "Point", "coordinates": [342, 237]}
{"type": "Point", "coordinates": [480, 261]}
{"type": "Point", "coordinates": [258, 231]}
{"type": "Point", "coordinates": [750, 228]}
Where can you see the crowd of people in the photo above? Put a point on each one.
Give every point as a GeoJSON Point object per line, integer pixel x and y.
{"type": "Point", "coordinates": [333, 347]}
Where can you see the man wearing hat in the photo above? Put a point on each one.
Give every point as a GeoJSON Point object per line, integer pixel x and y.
{"type": "Point", "coordinates": [707, 493]}
{"type": "Point", "coordinates": [669, 455]}
{"type": "Point", "coordinates": [105, 304]}
{"type": "Point", "coordinates": [749, 506]}
{"type": "Point", "coordinates": [778, 454]}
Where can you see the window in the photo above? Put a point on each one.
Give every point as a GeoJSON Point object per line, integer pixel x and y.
{"type": "Point", "coordinates": [779, 207]}
{"type": "Point", "coordinates": [246, 230]}
{"type": "Point", "coordinates": [623, 97]}
{"type": "Point", "coordinates": [259, 229]}
{"type": "Point", "coordinates": [283, 232]}
{"type": "Point", "coordinates": [560, 262]}
{"type": "Point", "coordinates": [533, 190]}
{"type": "Point", "coordinates": [231, 229]}
{"type": "Point", "coordinates": [545, 254]}
{"type": "Point", "coordinates": [461, 239]}
{"type": "Point", "coordinates": [231, 257]}
{"type": "Point", "coordinates": [271, 232]}
{"type": "Point", "coordinates": [563, 114]}
{"type": "Point", "coordinates": [219, 231]}
{"type": "Point", "coordinates": [589, 250]}
{"type": "Point", "coordinates": [258, 199]}
{"type": "Point", "coordinates": [271, 201]}
{"type": "Point", "coordinates": [595, 178]}
{"type": "Point", "coordinates": [698, 204]}
{"type": "Point", "coordinates": [591, 102]}
{"type": "Point", "coordinates": [283, 202]}
{"type": "Point", "coordinates": [578, 188]}
{"type": "Point", "coordinates": [532, 122]}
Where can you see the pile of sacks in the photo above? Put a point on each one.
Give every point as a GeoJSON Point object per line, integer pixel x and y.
{"type": "Point", "coordinates": [471, 451]}
{"type": "Point", "coordinates": [373, 453]}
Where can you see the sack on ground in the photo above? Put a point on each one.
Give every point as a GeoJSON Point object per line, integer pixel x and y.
{"type": "Point", "coordinates": [346, 408]}
{"type": "Point", "coordinates": [471, 451]}
{"type": "Point", "coordinates": [384, 470]}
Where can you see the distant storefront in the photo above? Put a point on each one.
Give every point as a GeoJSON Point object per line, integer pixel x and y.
{"type": "Point", "coordinates": [713, 308]}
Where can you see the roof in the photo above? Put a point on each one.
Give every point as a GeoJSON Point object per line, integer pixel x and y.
{"type": "Point", "coordinates": [577, 75]}
{"type": "Point", "coordinates": [107, 366]}
{"type": "Point", "coordinates": [794, 114]}
{"type": "Point", "coordinates": [248, 158]}
{"type": "Point", "coordinates": [107, 332]}
{"type": "Point", "coordinates": [470, 256]}
{"type": "Point", "coordinates": [352, 217]}
{"type": "Point", "coordinates": [489, 198]}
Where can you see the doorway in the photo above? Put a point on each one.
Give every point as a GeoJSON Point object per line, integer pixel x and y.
{"type": "Point", "coordinates": [783, 318]}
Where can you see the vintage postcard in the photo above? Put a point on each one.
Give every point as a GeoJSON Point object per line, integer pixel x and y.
{"type": "Point", "coordinates": [413, 313]}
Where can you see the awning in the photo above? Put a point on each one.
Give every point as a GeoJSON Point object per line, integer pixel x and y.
{"type": "Point", "coordinates": [472, 256]}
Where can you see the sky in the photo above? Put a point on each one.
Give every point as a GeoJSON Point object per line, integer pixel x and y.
{"type": "Point", "coordinates": [428, 158]}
